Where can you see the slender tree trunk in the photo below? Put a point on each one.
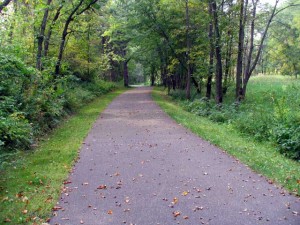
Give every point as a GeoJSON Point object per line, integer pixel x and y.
{"type": "Point", "coordinates": [48, 36]}
{"type": "Point", "coordinates": [88, 49]}
{"type": "Point", "coordinates": [126, 77]}
{"type": "Point", "coordinates": [228, 56]}
{"type": "Point", "coordinates": [152, 75]}
{"type": "Point", "coordinates": [188, 46]}
{"type": "Point", "coordinates": [211, 55]}
{"type": "Point", "coordinates": [249, 73]}
{"type": "Point", "coordinates": [65, 32]}
{"type": "Point", "coordinates": [41, 37]}
{"type": "Point", "coordinates": [239, 67]}
{"type": "Point", "coordinates": [219, 69]}
{"type": "Point", "coordinates": [4, 4]}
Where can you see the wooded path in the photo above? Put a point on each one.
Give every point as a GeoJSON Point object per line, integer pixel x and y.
{"type": "Point", "coordinates": [138, 166]}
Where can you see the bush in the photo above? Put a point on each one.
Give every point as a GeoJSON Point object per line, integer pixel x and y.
{"type": "Point", "coordinates": [99, 87]}
{"type": "Point", "coordinates": [15, 132]}
{"type": "Point", "coordinates": [44, 108]}
{"type": "Point", "coordinates": [32, 103]}
{"type": "Point", "coordinates": [287, 137]}
{"type": "Point", "coordinates": [75, 97]}
{"type": "Point", "coordinates": [256, 123]}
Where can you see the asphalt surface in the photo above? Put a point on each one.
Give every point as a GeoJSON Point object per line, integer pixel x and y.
{"type": "Point", "coordinates": [137, 166]}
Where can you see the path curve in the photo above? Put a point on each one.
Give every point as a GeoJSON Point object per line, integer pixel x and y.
{"type": "Point", "coordinates": [138, 166]}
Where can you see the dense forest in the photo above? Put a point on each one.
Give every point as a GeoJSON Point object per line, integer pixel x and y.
{"type": "Point", "coordinates": [55, 55]}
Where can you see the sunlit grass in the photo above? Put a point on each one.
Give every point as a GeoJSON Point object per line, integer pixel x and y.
{"type": "Point", "coordinates": [261, 157]}
{"type": "Point", "coordinates": [30, 186]}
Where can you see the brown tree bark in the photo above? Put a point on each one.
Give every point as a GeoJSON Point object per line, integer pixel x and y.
{"type": "Point", "coordinates": [41, 36]}
{"type": "Point", "coordinates": [219, 69]}
{"type": "Point", "coordinates": [126, 77]}
{"type": "Point", "coordinates": [211, 55]}
{"type": "Point", "coordinates": [239, 67]}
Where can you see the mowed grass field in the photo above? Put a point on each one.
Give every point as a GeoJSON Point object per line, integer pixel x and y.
{"type": "Point", "coordinates": [247, 132]}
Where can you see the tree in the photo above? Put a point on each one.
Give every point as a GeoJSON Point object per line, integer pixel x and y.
{"type": "Point", "coordinates": [76, 11]}
{"type": "Point", "coordinates": [41, 36]}
{"type": "Point", "coordinates": [219, 67]}
{"type": "Point", "coordinates": [4, 4]}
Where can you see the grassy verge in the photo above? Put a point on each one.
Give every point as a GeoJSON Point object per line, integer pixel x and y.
{"type": "Point", "coordinates": [261, 157]}
{"type": "Point", "coordinates": [31, 184]}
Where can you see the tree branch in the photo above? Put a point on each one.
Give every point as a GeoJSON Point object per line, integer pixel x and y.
{"type": "Point", "coordinates": [4, 4]}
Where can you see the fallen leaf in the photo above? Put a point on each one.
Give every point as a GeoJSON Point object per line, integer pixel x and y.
{"type": "Point", "coordinates": [175, 201]}
{"type": "Point", "coordinates": [270, 182]}
{"type": "Point", "coordinates": [176, 213]}
{"type": "Point", "coordinates": [19, 195]}
{"type": "Point", "coordinates": [185, 193]}
{"type": "Point", "coordinates": [56, 208]}
{"type": "Point", "coordinates": [298, 181]}
{"type": "Point", "coordinates": [109, 212]}
{"type": "Point", "coordinates": [102, 187]}
{"type": "Point", "coordinates": [67, 182]}
{"type": "Point", "coordinates": [7, 220]}
{"type": "Point", "coordinates": [185, 217]}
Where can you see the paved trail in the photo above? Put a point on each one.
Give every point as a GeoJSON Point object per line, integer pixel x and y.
{"type": "Point", "coordinates": [137, 166]}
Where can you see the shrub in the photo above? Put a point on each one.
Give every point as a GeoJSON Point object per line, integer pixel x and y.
{"type": "Point", "coordinates": [287, 136]}
{"type": "Point", "coordinates": [75, 97]}
{"type": "Point", "coordinates": [32, 103]}
{"type": "Point", "coordinates": [256, 123]}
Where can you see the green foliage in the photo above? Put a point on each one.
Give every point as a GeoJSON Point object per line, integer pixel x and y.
{"type": "Point", "coordinates": [15, 132]}
{"type": "Point", "coordinates": [287, 137]}
{"type": "Point", "coordinates": [270, 114]}
{"type": "Point", "coordinates": [31, 104]}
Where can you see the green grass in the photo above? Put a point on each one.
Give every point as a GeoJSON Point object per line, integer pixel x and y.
{"type": "Point", "coordinates": [262, 90]}
{"type": "Point", "coordinates": [30, 185]}
{"type": "Point", "coordinates": [261, 157]}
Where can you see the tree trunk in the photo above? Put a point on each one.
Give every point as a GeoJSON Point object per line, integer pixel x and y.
{"type": "Point", "coordinates": [65, 32]}
{"type": "Point", "coordinates": [249, 73]}
{"type": "Point", "coordinates": [228, 56]}
{"type": "Point", "coordinates": [188, 46]}
{"type": "Point", "coordinates": [126, 78]}
{"type": "Point", "coordinates": [48, 36]}
{"type": "Point", "coordinates": [152, 76]}
{"type": "Point", "coordinates": [41, 37]}
{"type": "Point", "coordinates": [239, 67]}
{"type": "Point", "coordinates": [211, 55]}
{"type": "Point", "coordinates": [4, 4]}
{"type": "Point", "coordinates": [219, 69]}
